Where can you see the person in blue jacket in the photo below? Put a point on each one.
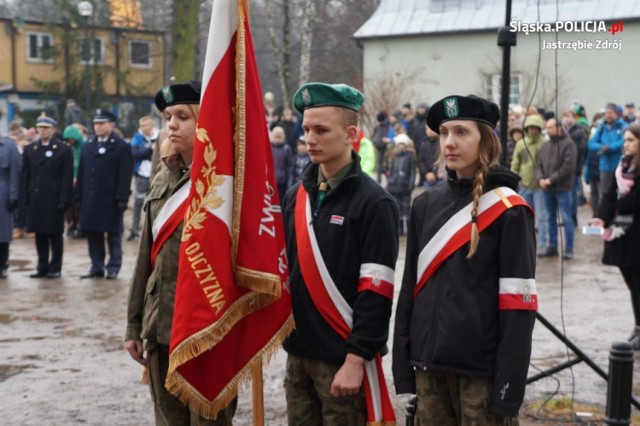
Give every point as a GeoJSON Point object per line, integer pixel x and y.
{"type": "Point", "coordinates": [606, 144]}
{"type": "Point", "coordinates": [142, 146]}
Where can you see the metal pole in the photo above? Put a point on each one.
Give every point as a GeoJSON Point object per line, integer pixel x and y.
{"type": "Point", "coordinates": [583, 356]}
{"type": "Point", "coordinates": [410, 411]}
{"type": "Point", "coordinates": [86, 48]}
{"type": "Point", "coordinates": [618, 411]}
{"type": "Point", "coordinates": [506, 39]}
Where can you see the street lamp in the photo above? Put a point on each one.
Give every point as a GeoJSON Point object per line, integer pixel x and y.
{"type": "Point", "coordinates": [85, 9]}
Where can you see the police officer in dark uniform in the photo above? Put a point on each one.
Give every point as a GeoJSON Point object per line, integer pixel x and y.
{"type": "Point", "coordinates": [47, 188]}
{"type": "Point", "coordinates": [102, 189]}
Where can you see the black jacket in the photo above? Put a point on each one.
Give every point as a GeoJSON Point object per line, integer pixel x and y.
{"type": "Point", "coordinates": [104, 181]}
{"type": "Point", "coordinates": [429, 153]}
{"type": "Point", "coordinates": [456, 325]}
{"type": "Point", "coordinates": [623, 251]}
{"type": "Point", "coordinates": [580, 137]}
{"type": "Point", "coordinates": [401, 174]}
{"type": "Point", "coordinates": [366, 233]}
{"type": "Point", "coordinates": [381, 131]}
{"type": "Point", "coordinates": [47, 185]}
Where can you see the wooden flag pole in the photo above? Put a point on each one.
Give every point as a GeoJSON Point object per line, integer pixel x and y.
{"type": "Point", "coordinates": [257, 393]}
{"type": "Point", "coordinates": [257, 385]}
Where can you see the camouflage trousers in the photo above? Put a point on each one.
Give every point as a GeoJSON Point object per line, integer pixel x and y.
{"type": "Point", "coordinates": [453, 399]}
{"type": "Point", "coordinates": [169, 410]}
{"type": "Point", "coordinates": [307, 385]}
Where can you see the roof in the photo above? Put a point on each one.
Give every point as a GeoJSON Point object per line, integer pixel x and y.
{"type": "Point", "coordinates": [395, 18]}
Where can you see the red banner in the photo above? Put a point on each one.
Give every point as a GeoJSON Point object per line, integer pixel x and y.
{"type": "Point", "coordinates": [232, 303]}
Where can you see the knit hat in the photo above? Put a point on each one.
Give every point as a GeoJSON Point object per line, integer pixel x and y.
{"type": "Point", "coordinates": [402, 138]}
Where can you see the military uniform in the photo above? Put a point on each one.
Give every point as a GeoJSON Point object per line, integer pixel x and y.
{"type": "Point", "coordinates": [152, 292]}
{"type": "Point", "coordinates": [102, 189]}
{"type": "Point", "coordinates": [150, 306]}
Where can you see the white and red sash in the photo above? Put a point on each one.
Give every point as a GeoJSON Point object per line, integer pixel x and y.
{"type": "Point", "coordinates": [336, 311]}
{"type": "Point", "coordinates": [169, 217]}
{"type": "Point", "coordinates": [457, 232]}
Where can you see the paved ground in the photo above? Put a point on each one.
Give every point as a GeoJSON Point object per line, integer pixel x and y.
{"type": "Point", "coordinates": [61, 357]}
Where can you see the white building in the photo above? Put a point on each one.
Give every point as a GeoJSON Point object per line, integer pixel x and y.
{"type": "Point", "coordinates": [444, 47]}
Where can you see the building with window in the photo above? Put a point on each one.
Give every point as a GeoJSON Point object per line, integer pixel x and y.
{"type": "Point", "coordinates": [41, 65]}
{"type": "Point", "coordinates": [582, 50]}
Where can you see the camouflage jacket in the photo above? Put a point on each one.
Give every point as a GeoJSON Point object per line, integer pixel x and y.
{"type": "Point", "coordinates": [152, 292]}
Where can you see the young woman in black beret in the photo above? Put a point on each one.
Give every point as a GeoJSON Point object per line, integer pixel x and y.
{"type": "Point", "coordinates": [467, 305]}
{"type": "Point", "coordinates": [153, 287]}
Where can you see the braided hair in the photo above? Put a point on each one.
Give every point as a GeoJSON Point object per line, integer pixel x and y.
{"type": "Point", "coordinates": [488, 156]}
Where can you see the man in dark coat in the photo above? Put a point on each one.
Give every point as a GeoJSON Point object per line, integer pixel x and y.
{"type": "Point", "coordinates": [382, 136]}
{"type": "Point", "coordinates": [47, 182]}
{"type": "Point", "coordinates": [102, 189]}
{"type": "Point", "coordinates": [10, 164]}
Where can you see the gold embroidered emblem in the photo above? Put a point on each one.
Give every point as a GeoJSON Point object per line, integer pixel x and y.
{"type": "Point", "coordinates": [206, 189]}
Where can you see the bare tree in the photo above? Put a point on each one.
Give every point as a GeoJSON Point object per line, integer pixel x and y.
{"type": "Point", "coordinates": [185, 39]}
{"type": "Point", "coordinates": [336, 56]}
{"type": "Point", "coordinates": [309, 17]}
{"type": "Point", "coordinates": [547, 90]}
{"type": "Point", "coordinates": [386, 92]}
{"type": "Point", "coordinates": [281, 45]}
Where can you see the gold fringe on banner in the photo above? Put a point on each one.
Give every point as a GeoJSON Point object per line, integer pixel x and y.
{"type": "Point", "coordinates": [240, 132]}
{"type": "Point", "coordinates": [197, 402]}
{"type": "Point", "coordinates": [246, 278]}
{"type": "Point", "coordinates": [207, 338]}
{"type": "Point", "coordinates": [266, 288]}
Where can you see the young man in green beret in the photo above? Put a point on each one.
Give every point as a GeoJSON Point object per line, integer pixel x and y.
{"type": "Point", "coordinates": [342, 245]}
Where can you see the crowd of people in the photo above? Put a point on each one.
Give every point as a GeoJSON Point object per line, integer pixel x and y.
{"type": "Point", "coordinates": [465, 314]}
{"type": "Point", "coordinates": [61, 181]}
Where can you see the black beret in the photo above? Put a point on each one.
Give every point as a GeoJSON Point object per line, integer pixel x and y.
{"type": "Point", "coordinates": [180, 93]}
{"type": "Point", "coordinates": [462, 108]}
{"type": "Point", "coordinates": [104, 116]}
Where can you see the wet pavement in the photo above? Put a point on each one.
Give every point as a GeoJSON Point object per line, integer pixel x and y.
{"type": "Point", "coordinates": [62, 362]}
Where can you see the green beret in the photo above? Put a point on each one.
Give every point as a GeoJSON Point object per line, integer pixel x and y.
{"type": "Point", "coordinates": [312, 95]}
{"type": "Point", "coordinates": [462, 108]}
